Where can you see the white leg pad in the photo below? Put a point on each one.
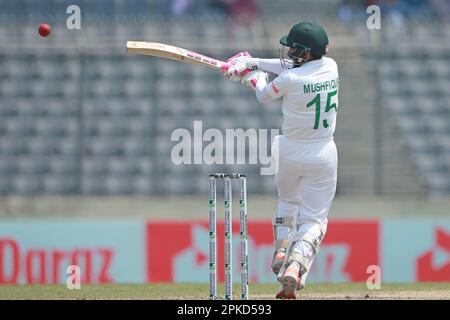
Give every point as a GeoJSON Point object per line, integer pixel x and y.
{"type": "Point", "coordinates": [282, 222]}
{"type": "Point", "coordinates": [308, 239]}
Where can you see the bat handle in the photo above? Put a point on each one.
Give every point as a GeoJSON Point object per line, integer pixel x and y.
{"type": "Point", "coordinates": [243, 73]}
{"type": "Point", "coordinates": [225, 66]}
{"type": "Point", "coordinates": [240, 54]}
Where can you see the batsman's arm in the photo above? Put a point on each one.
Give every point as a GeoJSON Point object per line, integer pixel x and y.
{"type": "Point", "coordinates": [270, 65]}
{"type": "Point", "coordinates": [242, 65]}
{"type": "Point", "coordinates": [267, 92]}
{"type": "Point", "coordinates": [262, 92]}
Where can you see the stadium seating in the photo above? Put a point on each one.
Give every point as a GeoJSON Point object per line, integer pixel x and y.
{"type": "Point", "coordinates": [101, 122]}
{"type": "Point", "coordinates": [415, 90]}
{"type": "Point", "coordinates": [110, 134]}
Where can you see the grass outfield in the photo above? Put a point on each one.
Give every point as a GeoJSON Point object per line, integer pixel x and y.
{"type": "Point", "coordinates": [200, 291]}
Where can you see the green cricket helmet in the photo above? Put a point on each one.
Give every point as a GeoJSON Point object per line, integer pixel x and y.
{"type": "Point", "coordinates": [307, 36]}
{"type": "Point", "coordinates": [307, 39]}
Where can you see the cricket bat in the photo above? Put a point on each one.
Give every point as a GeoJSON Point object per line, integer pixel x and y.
{"type": "Point", "coordinates": [166, 51]}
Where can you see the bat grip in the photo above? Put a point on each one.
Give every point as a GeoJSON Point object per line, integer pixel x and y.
{"type": "Point", "coordinates": [225, 66]}
{"type": "Point", "coordinates": [240, 54]}
{"type": "Point", "coordinates": [243, 73]}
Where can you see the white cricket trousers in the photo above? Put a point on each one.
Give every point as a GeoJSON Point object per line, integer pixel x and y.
{"type": "Point", "coordinates": [306, 185]}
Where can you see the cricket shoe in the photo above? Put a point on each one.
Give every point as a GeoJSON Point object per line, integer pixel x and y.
{"type": "Point", "coordinates": [282, 295]}
{"type": "Point", "coordinates": [290, 281]}
{"type": "Point", "coordinates": [278, 260]}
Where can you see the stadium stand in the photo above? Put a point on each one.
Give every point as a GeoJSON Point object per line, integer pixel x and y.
{"type": "Point", "coordinates": [414, 86]}
{"type": "Point", "coordinates": [94, 121]}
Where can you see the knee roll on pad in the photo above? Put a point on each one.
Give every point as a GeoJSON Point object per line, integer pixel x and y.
{"type": "Point", "coordinates": [310, 238]}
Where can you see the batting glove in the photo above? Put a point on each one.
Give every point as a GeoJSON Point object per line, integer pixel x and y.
{"type": "Point", "coordinates": [241, 56]}
{"type": "Point", "coordinates": [240, 69]}
{"type": "Point", "coordinates": [239, 65]}
{"type": "Point", "coordinates": [252, 78]}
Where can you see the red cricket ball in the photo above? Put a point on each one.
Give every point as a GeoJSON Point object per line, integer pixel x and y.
{"type": "Point", "coordinates": [44, 30]}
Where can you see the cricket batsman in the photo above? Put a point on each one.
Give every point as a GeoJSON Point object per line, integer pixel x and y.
{"type": "Point", "coordinates": [308, 82]}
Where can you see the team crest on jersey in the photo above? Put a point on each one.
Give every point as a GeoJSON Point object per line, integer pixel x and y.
{"type": "Point", "coordinates": [275, 88]}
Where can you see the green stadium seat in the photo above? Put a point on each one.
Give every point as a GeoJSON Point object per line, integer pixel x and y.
{"type": "Point", "coordinates": [123, 166]}
{"type": "Point", "coordinates": [60, 185]}
{"type": "Point", "coordinates": [140, 146]}
{"type": "Point", "coordinates": [94, 166]}
{"type": "Point", "coordinates": [105, 146]}
{"type": "Point", "coordinates": [64, 164]}
{"type": "Point", "coordinates": [8, 165]}
{"type": "Point", "coordinates": [13, 146]}
{"type": "Point", "coordinates": [118, 185]}
{"type": "Point", "coordinates": [143, 185]}
{"type": "Point", "coordinates": [93, 185]}
{"type": "Point", "coordinates": [27, 185]}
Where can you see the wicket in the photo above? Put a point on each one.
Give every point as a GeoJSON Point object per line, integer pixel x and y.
{"type": "Point", "coordinates": [228, 234]}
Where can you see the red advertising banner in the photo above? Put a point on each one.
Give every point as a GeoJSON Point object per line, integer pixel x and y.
{"type": "Point", "coordinates": [361, 238]}
{"type": "Point", "coordinates": [42, 251]}
{"type": "Point", "coordinates": [178, 251]}
{"type": "Point", "coordinates": [415, 250]}
{"type": "Point", "coordinates": [46, 266]}
{"type": "Point", "coordinates": [128, 251]}
{"type": "Point", "coordinates": [429, 268]}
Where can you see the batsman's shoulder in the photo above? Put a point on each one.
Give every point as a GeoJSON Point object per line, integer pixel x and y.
{"type": "Point", "coordinates": [286, 75]}
{"type": "Point", "coordinates": [330, 61]}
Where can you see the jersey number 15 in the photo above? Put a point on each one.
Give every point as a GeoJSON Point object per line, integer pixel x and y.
{"type": "Point", "coordinates": [328, 107]}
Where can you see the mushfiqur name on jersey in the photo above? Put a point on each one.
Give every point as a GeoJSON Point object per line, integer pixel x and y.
{"type": "Point", "coordinates": [310, 99]}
